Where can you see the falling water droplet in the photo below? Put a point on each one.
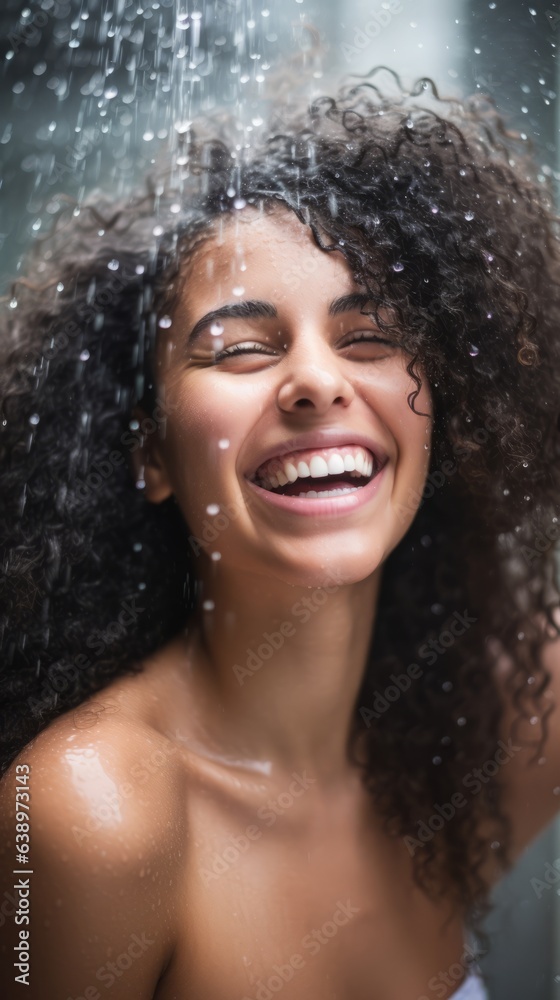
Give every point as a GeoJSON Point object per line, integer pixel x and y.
{"type": "Point", "coordinates": [398, 266]}
{"type": "Point", "coordinates": [473, 350]}
{"type": "Point", "coordinates": [113, 265]}
{"type": "Point", "coordinates": [34, 418]}
{"type": "Point", "coordinates": [84, 355]}
{"type": "Point", "coordinates": [469, 216]}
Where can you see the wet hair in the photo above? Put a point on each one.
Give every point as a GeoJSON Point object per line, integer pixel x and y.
{"type": "Point", "coordinates": [442, 215]}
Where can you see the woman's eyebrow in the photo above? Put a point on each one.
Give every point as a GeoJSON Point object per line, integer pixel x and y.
{"type": "Point", "coordinates": [348, 302]}
{"type": "Point", "coordinates": [250, 309]}
{"type": "Point", "coordinates": [256, 308]}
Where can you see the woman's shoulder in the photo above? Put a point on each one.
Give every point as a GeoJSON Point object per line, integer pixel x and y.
{"type": "Point", "coordinates": [102, 766]}
{"type": "Point", "coordinates": [92, 808]}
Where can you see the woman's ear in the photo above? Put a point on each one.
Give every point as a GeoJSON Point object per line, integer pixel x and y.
{"type": "Point", "coordinates": [148, 464]}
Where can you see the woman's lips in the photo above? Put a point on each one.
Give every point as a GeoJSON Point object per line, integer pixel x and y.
{"type": "Point", "coordinates": [344, 503]}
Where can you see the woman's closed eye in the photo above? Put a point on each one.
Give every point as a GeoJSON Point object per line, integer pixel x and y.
{"type": "Point", "coordinates": [254, 347]}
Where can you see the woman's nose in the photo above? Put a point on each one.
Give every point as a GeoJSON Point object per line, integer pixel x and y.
{"type": "Point", "coordinates": [315, 379]}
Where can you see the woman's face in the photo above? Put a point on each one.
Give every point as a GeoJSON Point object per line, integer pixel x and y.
{"type": "Point", "coordinates": [311, 381]}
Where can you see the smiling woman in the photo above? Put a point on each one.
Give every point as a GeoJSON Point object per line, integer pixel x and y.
{"type": "Point", "coordinates": [292, 482]}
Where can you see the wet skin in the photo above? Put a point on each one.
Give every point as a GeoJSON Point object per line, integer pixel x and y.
{"type": "Point", "coordinates": [199, 829]}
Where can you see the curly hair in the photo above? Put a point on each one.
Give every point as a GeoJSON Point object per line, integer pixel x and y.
{"type": "Point", "coordinates": [443, 218]}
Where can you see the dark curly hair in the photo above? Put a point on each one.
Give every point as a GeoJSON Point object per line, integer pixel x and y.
{"type": "Point", "coordinates": [443, 218]}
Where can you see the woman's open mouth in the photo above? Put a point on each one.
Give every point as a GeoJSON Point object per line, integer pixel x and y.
{"type": "Point", "coordinates": [319, 475]}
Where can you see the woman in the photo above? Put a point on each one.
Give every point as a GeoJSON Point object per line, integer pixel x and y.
{"type": "Point", "coordinates": [281, 475]}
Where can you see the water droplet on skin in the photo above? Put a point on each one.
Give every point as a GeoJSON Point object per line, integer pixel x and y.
{"type": "Point", "coordinates": [533, 720]}
{"type": "Point", "coordinates": [223, 443]}
{"type": "Point", "coordinates": [469, 216]}
{"type": "Point", "coordinates": [84, 355]}
{"type": "Point", "coordinates": [212, 509]}
{"type": "Point", "coordinates": [216, 329]}
{"type": "Point", "coordinates": [13, 303]}
{"type": "Point", "coordinates": [238, 290]}
{"type": "Point", "coordinates": [113, 265]}
{"type": "Point", "coordinates": [525, 465]}
{"type": "Point", "coordinates": [60, 287]}
{"type": "Point", "coordinates": [216, 556]}
{"type": "Point", "coordinates": [473, 350]}
{"type": "Point", "coordinates": [165, 322]}
{"type": "Point", "coordinates": [398, 266]}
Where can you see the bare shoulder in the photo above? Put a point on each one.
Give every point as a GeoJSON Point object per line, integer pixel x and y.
{"type": "Point", "coordinates": [531, 780]}
{"type": "Point", "coordinates": [92, 808]}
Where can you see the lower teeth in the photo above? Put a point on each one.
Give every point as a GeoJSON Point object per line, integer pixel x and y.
{"type": "Point", "coordinates": [312, 494]}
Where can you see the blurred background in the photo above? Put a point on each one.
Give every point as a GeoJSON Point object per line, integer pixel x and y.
{"type": "Point", "coordinates": [93, 90]}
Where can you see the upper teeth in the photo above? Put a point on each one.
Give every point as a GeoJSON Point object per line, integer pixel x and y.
{"type": "Point", "coordinates": [326, 462]}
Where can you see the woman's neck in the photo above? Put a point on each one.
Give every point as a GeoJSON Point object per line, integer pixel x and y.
{"type": "Point", "coordinates": [276, 669]}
